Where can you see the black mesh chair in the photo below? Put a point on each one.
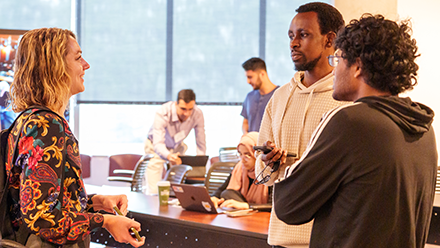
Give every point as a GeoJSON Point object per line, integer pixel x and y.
{"type": "Point", "coordinates": [437, 185]}
{"type": "Point", "coordinates": [136, 175]}
{"type": "Point", "coordinates": [228, 154]}
{"type": "Point", "coordinates": [177, 173]}
{"type": "Point", "coordinates": [217, 175]}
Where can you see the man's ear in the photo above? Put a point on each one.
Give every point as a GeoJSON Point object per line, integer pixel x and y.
{"type": "Point", "coordinates": [330, 39]}
{"type": "Point", "coordinates": [358, 68]}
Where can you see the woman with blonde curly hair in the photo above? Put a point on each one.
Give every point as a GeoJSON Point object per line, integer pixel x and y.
{"type": "Point", "coordinates": [46, 191]}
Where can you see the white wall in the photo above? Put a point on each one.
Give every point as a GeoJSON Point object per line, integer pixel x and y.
{"type": "Point", "coordinates": [424, 18]}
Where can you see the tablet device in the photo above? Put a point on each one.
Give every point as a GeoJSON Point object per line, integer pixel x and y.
{"type": "Point", "coordinates": [197, 162]}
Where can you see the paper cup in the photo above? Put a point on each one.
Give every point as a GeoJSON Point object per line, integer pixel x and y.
{"type": "Point", "coordinates": [164, 192]}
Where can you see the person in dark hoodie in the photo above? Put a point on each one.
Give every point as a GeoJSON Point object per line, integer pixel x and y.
{"type": "Point", "coordinates": [368, 174]}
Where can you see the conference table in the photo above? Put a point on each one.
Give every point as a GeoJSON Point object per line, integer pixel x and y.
{"type": "Point", "coordinates": [172, 226]}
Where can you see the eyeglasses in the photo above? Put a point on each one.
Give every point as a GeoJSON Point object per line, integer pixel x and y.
{"type": "Point", "coordinates": [266, 178]}
{"type": "Point", "coordinates": [333, 60]}
{"type": "Point", "coordinates": [244, 156]}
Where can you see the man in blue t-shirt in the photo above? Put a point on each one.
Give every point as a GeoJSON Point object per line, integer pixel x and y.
{"type": "Point", "coordinates": [256, 100]}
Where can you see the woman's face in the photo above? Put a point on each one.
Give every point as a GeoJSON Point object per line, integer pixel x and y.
{"type": "Point", "coordinates": [246, 157]}
{"type": "Point", "coordinates": [76, 66]}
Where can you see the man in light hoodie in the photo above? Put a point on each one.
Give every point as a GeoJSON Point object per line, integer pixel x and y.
{"type": "Point", "coordinates": [295, 109]}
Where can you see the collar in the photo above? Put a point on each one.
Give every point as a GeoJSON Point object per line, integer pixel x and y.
{"type": "Point", "coordinates": [174, 117]}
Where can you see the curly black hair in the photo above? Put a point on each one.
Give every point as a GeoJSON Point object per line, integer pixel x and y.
{"type": "Point", "coordinates": [385, 49]}
{"type": "Point", "coordinates": [329, 18]}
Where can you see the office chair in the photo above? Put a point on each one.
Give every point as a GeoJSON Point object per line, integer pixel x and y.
{"type": "Point", "coordinates": [137, 174]}
{"type": "Point", "coordinates": [177, 173]}
{"type": "Point", "coordinates": [217, 175]}
{"type": "Point", "coordinates": [228, 154]}
{"type": "Point", "coordinates": [85, 165]}
{"type": "Point", "coordinates": [122, 162]}
{"type": "Point", "coordinates": [437, 185]}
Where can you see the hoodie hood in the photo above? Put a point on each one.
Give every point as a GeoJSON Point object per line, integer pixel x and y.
{"type": "Point", "coordinates": [410, 116]}
{"type": "Point", "coordinates": [322, 85]}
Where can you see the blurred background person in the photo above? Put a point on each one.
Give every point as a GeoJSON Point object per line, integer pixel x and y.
{"type": "Point", "coordinates": [256, 100]}
{"type": "Point", "coordinates": [239, 190]}
{"type": "Point", "coordinates": [172, 124]}
{"type": "Point", "coordinates": [7, 116]}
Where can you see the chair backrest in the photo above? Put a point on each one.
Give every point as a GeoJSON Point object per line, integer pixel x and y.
{"type": "Point", "coordinates": [122, 161]}
{"type": "Point", "coordinates": [85, 165]}
{"type": "Point", "coordinates": [177, 173]}
{"type": "Point", "coordinates": [437, 185]}
{"type": "Point", "coordinates": [217, 175]}
{"type": "Point", "coordinates": [228, 154]}
{"type": "Point", "coordinates": [213, 160]}
{"type": "Point", "coordinates": [139, 172]}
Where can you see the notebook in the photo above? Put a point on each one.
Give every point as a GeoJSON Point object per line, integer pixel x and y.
{"type": "Point", "coordinates": [194, 198]}
{"type": "Point", "coordinates": [197, 162]}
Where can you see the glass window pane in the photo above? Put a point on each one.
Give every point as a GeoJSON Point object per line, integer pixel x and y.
{"type": "Point", "coordinates": [31, 14]}
{"type": "Point", "coordinates": [124, 43]}
{"type": "Point", "coordinates": [211, 41]}
{"type": "Point", "coordinates": [107, 129]}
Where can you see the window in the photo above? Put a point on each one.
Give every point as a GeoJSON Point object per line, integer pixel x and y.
{"type": "Point", "coordinates": [211, 39]}
{"type": "Point", "coordinates": [143, 52]}
{"type": "Point", "coordinates": [32, 14]}
{"type": "Point", "coordinates": [124, 43]}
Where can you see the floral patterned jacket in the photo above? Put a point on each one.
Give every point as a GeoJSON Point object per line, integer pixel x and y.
{"type": "Point", "coordinates": [35, 176]}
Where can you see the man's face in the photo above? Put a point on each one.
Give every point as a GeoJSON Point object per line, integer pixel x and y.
{"type": "Point", "coordinates": [184, 110]}
{"type": "Point", "coordinates": [254, 79]}
{"type": "Point", "coordinates": [306, 42]}
{"type": "Point", "coordinates": [343, 85]}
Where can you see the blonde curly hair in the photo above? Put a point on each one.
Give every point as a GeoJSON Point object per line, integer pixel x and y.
{"type": "Point", "coordinates": [41, 76]}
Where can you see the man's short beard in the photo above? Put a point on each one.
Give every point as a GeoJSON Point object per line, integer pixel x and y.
{"type": "Point", "coordinates": [258, 84]}
{"type": "Point", "coordinates": [308, 66]}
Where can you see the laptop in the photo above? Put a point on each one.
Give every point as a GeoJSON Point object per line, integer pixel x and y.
{"type": "Point", "coordinates": [194, 198]}
{"type": "Point", "coordinates": [197, 162]}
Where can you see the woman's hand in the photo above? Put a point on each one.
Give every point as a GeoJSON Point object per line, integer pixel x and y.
{"type": "Point", "coordinates": [119, 228]}
{"type": "Point", "coordinates": [217, 201]}
{"type": "Point", "coordinates": [234, 204]}
{"type": "Point", "coordinates": [107, 202]}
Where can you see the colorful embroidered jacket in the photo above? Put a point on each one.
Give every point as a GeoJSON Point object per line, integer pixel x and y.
{"type": "Point", "coordinates": [35, 192]}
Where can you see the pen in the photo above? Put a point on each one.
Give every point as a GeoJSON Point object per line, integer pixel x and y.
{"type": "Point", "coordinates": [118, 212]}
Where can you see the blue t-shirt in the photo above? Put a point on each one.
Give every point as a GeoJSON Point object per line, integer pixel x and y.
{"type": "Point", "coordinates": [253, 108]}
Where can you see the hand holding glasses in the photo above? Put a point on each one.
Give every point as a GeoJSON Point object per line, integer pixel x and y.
{"type": "Point", "coordinates": [273, 164]}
